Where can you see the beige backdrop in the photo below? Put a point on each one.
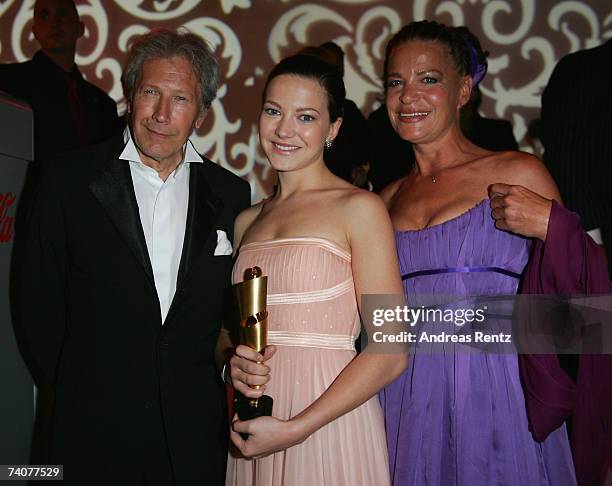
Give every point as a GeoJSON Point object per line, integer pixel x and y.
{"type": "Point", "coordinates": [525, 39]}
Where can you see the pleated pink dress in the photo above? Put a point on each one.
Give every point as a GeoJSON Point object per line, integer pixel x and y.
{"type": "Point", "coordinates": [313, 321]}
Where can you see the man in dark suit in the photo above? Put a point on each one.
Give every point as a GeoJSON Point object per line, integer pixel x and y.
{"type": "Point", "coordinates": [576, 121]}
{"type": "Point", "coordinates": [127, 258]}
{"type": "Point", "coordinates": [69, 112]}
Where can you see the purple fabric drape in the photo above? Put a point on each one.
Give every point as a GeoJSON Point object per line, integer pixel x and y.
{"type": "Point", "coordinates": [567, 263]}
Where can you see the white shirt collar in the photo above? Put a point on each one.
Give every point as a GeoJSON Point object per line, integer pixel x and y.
{"type": "Point", "coordinates": [130, 152]}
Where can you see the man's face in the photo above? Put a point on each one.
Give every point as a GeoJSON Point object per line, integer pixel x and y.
{"type": "Point", "coordinates": [165, 110]}
{"type": "Point", "coordinates": [56, 25]}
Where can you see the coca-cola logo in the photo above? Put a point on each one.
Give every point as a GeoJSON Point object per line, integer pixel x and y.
{"type": "Point", "coordinates": [7, 221]}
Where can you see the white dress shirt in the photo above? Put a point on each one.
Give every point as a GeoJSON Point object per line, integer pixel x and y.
{"type": "Point", "coordinates": [163, 214]}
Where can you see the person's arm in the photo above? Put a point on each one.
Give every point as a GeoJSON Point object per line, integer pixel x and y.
{"type": "Point", "coordinates": [375, 271]}
{"type": "Point", "coordinates": [529, 171]}
{"type": "Point", "coordinates": [241, 361]}
{"type": "Point", "coordinates": [245, 364]}
{"type": "Point", "coordinates": [241, 199]}
{"type": "Point", "coordinates": [564, 261]}
{"type": "Point", "coordinates": [41, 275]}
{"type": "Point", "coordinates": [243, 222]}
{"type": "Point", "coordinates": [518, 210]}
{"type": "Point", "coordinates": [523, 204]}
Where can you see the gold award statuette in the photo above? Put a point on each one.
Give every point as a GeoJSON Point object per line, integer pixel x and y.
{"type": "Point", "coordinates": [250, 297]}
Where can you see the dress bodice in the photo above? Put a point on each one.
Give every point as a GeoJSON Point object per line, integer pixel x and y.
{"type": "Point", "coordinates": [310, 285]}
{"type": "Point", "coordinates": [469, 243]}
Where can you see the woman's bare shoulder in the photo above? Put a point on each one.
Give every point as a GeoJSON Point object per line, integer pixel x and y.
{"type": "Point", "coordinates": [361, 208]}
{"type": "Point", "coordinates": [360, 197]}
{"type": "Point", "coordinates": [244, 221]}
{"type": "Point", "coordinates": [389, 192]}
{"type": "Point", "coordinates": [523, 169]}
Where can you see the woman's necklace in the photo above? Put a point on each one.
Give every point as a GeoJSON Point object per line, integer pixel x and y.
{"type": "Point", "coordinates": [432, 176]}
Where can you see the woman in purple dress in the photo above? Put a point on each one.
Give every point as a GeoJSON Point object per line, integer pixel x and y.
{"type": "Point", "coordinates": [457, 416]}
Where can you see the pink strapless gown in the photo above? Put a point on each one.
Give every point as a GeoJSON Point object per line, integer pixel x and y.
{"type": "Point", "coordinates": [313, 321]}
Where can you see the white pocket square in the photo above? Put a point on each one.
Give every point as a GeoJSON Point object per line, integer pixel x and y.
{"type": "Point", "coordinates": [224, 247]}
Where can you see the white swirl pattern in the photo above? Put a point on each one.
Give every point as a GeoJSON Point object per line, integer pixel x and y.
{"type": "Point", "coordinates": [525, 38]}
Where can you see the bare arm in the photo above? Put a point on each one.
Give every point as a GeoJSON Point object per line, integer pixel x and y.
{"type": "Point", "coordinates": [375, 271]}
{"type": "Point", "coordinates": [244, 367]}
{"type": "Point", "coordinates": [243, 222]}
{"type": "Point", "coordinates": [523, 205]}
{"type": "Point", "coordinates": [225, 348]}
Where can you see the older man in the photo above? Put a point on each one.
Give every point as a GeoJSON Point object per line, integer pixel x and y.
{"type": "Point", "coordinates": [127, 259]}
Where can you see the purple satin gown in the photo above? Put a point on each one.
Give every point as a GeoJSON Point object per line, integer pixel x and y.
{"type": "Point", "coordinates": [458, 417]}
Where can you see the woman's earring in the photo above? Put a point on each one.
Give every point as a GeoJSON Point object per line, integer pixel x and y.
{"type": "Point", "coordinates": [328, 143]}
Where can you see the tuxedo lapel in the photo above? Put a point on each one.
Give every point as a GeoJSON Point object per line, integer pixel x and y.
{"type": "Point", "coordinates": [114, 190]}
{"type": "Point", "coordinates": [204, 208]}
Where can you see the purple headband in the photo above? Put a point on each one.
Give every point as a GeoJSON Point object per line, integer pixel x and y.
{"type": "Point", "coordinates": [477, 69]}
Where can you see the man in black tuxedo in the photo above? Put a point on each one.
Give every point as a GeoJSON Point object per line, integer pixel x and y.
{"type": "Point", "coordinates": [127, 258]}
{"type": "Point", "coordinates": [576, 121]}
{"type": "Point", "coordinates": [576, 134]}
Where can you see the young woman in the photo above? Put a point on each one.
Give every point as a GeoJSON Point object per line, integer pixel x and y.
{"type": "Point", "coordinates": [323, 244]}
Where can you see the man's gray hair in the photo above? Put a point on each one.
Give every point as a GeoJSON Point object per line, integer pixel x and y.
{"type": "Point", "coordinates": [166, 44]}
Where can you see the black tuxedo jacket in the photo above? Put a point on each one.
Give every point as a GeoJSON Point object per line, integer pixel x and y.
{"type": "Point", "coordinates": [132, 396]}
{"type": "Point", "coordinates": [577, 133]}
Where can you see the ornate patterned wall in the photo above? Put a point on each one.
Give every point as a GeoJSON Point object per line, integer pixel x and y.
{"type": "Point", "coordinates": [525, 38]}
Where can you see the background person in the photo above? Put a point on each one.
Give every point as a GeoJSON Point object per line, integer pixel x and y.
{"type": "Point", "coordinates": [575, 130]}
{"type": "Point", "coordinates": [69, 112]}
{"type": "Point", "coordinates": [487, 133]}
{"type": "Point", "coordinates": [346, 156]}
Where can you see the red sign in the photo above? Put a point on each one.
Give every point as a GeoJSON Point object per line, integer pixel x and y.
{"type": "Point", "coordinates": [6, 221]}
